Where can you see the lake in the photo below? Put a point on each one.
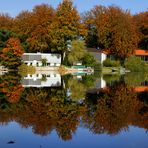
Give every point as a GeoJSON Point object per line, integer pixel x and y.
{"type": "Point", "coordinates": [77, 110]}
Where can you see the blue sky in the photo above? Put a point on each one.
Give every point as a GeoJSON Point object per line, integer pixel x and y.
{"type": "Point", "coordinates": [13, 7]}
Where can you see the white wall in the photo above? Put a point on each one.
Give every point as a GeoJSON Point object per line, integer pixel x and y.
{"type": "Point", "coordinates": [103, 57]}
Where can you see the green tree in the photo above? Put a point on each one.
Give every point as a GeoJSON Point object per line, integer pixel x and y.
{"type": "Point", "coordinates": [88, 60]}
{"type": "Point", "coordinates": [77, 51]}
{"type": "Point", "coordinates": [77, 89]}
{"type": "Point", "coordinates": [4, 36]}
{"type": "Point", "coordinates": [135, 64]}
{"type": "Point", "coordinates": [67, 26]}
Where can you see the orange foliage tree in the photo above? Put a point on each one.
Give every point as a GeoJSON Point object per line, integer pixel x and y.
{"type": "Point", "coordinates": [35, 25]}
{"type": "Point", "coordinates": [115, 29]}
{"type": "Point", "coordinates": [6, 22]}
{"type": "Point", "coordinates": [10, 87]}
{"type": "Point", "coordinates": [11, 55]}
{"type": "Point", "coordinates": [141, 21]}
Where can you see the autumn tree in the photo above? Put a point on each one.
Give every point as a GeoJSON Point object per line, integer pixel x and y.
{"type": "Point", "coordinates": [10, 88]}
{"type": "Point", "coordinates": [115, 29]}
{"type": "Point", "coordinates": [123, 33]}
{"type": "Point", "coordinates": [11, 54]}
{"type": "Point", "coordinates": [35, 26]}
{"type": "Point", "coordinates": [6, 22]}
{"type": "Point", "coordinates": [141, 21]}
{"type": "Point", "coordinates": [96, 22]}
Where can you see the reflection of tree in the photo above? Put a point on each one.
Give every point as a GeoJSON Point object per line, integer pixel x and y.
{"type": "Point", "coordinates": [43, 112]}
{"type": "Point", "coordinates": [46, 109]}
{"type": "Point", "coordinates": [77, 89]}
{"type": "Point", "coordinates": [10, 87]}
{"type": "Point", "coordinates": [143, 112]}
{"type": "Point", "coordinates": [114, 111]}
{"type": "Point", "coordinates": [66, 116]}
{"type": "Point", "coordinates": [135, 79]}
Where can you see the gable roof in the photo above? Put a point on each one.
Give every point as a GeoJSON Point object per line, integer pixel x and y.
{"type": "Point", "coordinates": [105, 51]}
{"type": "Point", "coordinates": [32, 57]}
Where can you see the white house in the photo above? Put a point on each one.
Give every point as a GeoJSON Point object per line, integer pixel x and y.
{"type": "Point", "coordinates": [42, 80]}
{"type": "Point", "coordinates": [36, 59]}
{"type": "Point", "coordinates": [100, 55]}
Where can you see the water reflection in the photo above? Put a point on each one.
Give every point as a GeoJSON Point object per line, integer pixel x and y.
{"type": "Point", "coordinates": [103, 104]}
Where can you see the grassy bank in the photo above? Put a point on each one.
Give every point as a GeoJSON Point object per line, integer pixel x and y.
{"type": "Point", "coordinates": [25, 69]}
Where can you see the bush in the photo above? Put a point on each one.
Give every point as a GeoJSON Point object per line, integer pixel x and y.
{"type": "Point", "coordinates": [97, 66]}
{"type": "Point", "coordinates": [135, 64]}
{"type": "Point", "coordinates": [88, 60]}
{"type": "Point", "coordinates": [111, 63]}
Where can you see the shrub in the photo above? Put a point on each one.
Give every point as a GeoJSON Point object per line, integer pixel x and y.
{"type": "Point", "coordinates": [97, 66]}
{"type": "Point", "coordinates": [135, 64]}
{"type": "Point", "coordinates": [111, 63]}
{"type": "Point", "coordinates": [88, 60]}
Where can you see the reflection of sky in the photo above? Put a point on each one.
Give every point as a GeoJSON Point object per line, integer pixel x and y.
{"type": "Point", "coordinates": [133, 138]}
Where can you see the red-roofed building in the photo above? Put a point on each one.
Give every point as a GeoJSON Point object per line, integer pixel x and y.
{"type": "Point", "coordinates": [102, 55]}
{"type": "Point", "coordinates": [143, 54]}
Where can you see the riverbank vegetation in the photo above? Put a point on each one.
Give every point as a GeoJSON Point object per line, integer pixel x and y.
{"type": "Point", "coordinates": [24, 69]}
{"type": "Point", "coordinates": [45, 29]}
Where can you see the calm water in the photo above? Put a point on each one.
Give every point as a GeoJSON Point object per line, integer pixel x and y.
{"type": "Point", "coordinates": [74, 111]}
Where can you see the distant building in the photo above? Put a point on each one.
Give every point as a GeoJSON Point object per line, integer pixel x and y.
{"type": "Point", "coordinates": [40, 59]}
{"type": "Point", "coordinates": [99, 55]}
{"type": "Point", "coordinates": [143, 54]}
{"type": "Point", "coordinates": [102, 55]}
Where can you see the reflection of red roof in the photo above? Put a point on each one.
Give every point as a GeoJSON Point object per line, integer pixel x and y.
{"type": "Point", "coordinates": [141, 52]}
{"type": "Point", "coordinates": [141, 88]}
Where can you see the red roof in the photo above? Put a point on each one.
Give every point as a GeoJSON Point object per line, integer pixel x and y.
{"type": "Point", "coordinates": [141, 52]}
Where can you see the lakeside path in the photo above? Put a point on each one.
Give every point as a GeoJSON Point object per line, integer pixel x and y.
{"type": "Point", "coordinates": [56, 70]}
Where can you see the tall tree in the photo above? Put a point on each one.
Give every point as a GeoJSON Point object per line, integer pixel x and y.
{"type": "Point", "coordinates": [6, 22]}
{"type": "Point", "coordinates": [77, 51]}
{"type": "Point", "coordinates": [123, 36]}
{"type": "Point", "coordinates": [4, 36]}
{"type": "Point", "coordinates": [115, 29]}
{"type": "Point", "coordinates": [68, 25]}
{"type": "Point", "coordinates": [35, 25]}
{"type": "Point", "coordinates": [141, 21]}
{"type": "Point", "coordinates": [11, 55]}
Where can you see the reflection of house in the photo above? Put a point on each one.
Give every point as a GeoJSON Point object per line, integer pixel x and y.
{"type": "Point", "coordinates": [38, 59]}
{"type": "Point", "coordinates": [42, 80]}
{"type": "Point", "coordinates": [140, 88]}
{"type": "Point", "coordinates": [101, 83]}
{"type": "Point", "coordinates": [3, 70]}
{"type": "Point", "coordinates": [143, 87]}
